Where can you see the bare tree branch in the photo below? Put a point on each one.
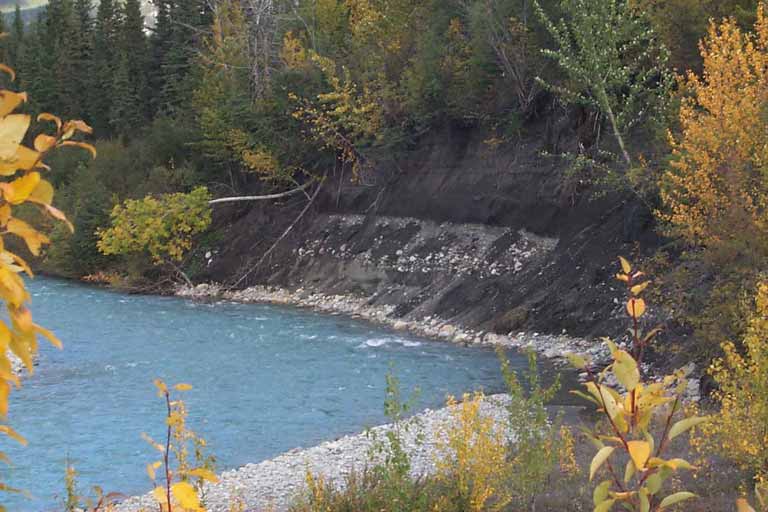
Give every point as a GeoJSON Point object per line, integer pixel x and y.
{"type": "Point", "coordinates": [266, 197]}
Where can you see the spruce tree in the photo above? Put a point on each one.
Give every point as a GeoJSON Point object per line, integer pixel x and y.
{"type": "Point", "coordinates": [16, 40]}
{"type": "Point", "coordinates": [129, 108]}
{"type": "Point", "coordinates": [160, 44]}
{"type": "Point", "coordinates": [82, 52]}
{"type": "Point", "coordinates": [105, 62]}
{"type": "Point", "coordinates": [59, 32]}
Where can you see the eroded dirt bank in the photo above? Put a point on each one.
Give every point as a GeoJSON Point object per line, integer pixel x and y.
{"type": "Point", "coordinates": [496, 242]}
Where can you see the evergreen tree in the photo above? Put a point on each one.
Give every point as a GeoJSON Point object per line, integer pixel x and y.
{"type": "Point", "coordinates": [82, 49]}
{"type": "Point", "coordinates": [179, 26]}
{"type": "Point", "coordinates": [59, 32]}
{"type": "Point", "coordinates": [105, 62]}
{"type": "Point", "coordinates": [4, 43]}
{"type": "Point", "coordinates": [159, 47]}
{"type": "Point", "coordinates": [16, 40]}
{"type": "Point", "coordinates": [130, 90]}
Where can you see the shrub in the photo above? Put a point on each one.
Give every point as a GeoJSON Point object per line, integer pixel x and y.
{"type": "Point", "coordinates": [25, 186]}
{"type": "Point", "coordinates": [474, 467]}
{"type": "Point", "coordinates": [540, 444]}
{"type": "Point", "coordinates": [714, 194]}
{"type": "Point", "coordinates": [630, 414]}
{"type": "Point", "coordinates": [181, 487]}
{"type": "Point", "coordinates": [163, 227]}
{"type": "Point", "coordinates": [739, 431]}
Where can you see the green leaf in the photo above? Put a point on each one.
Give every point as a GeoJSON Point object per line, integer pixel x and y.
{"type": "Point", "coordinates": [601, 492]}
{"type": "Point", "coordinates": [599, 459]}
{"type": "Point", "coordinates": [629, 471]}
{"type": "Point", "coordinates": [645, 504]}
{"type": "Point", "coordinates": [605, 506]}
{"type": "Point", "coordinates": [625, 369]}
{"type": "Point", "coordinates": [686, 424]}
{"type": "Point", "coordinates": [577, 361]}
{"type": "Point", "coordinates": [585, 396]}
{"type": "Point", "coordinates": [672, 499]}
{"type": "Point", "coordinates": [653, 483]}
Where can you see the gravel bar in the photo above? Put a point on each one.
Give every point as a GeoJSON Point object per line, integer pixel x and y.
{"type": "Point", "coordinates": [274, 484]}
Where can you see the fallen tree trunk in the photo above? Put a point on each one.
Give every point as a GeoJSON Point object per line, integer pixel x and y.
{"type": "Point", "coordinates": [266, 197]}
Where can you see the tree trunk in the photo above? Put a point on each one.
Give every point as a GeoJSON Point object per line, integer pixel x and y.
{"type": "Point", "coordinates": [262, 21]}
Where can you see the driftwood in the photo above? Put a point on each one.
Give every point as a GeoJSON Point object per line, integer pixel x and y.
{"type": "Point", "coordinates": [261, 198]}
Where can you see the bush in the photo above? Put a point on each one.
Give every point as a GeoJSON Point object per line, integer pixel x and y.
{"type": "Point", "coordinates": [714, 192]}
{"type": "Point", "coordinates": [739, 432]}
{"type": "Point", "coordinates": [629, 408]}
{"type": "Point", "coordinates": [474, 467]}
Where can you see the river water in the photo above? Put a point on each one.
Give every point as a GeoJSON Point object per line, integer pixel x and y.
{"type": "Point", "coordinates": [266, 379]}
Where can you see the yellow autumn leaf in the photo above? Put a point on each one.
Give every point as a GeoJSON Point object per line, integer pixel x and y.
{"type": "Point", "coordinates": [675, 498]}
{"type": "Point", "coordinates": [17, 191]}
{"type": "Point", "coordinates": [5, 393]}
{"type": "Point", "coordinates": [151, 468]}
{"type": "Point", "coordinates": [33, 238]}
{"type": "Point", "coordinates": [83, 145]}
{"type": "Point", "coordinates": [639, 451]}
{"type": "Point", "coordinates": [635, 307]}
{"type": "Point", "coordinates": [21, 318]}
{"type": "Point", "coordinates": [205, 474]}
{"type": "Point", "coordinates": [12, 130]}
{"type": "Point", "coordinates": [59, 215]}
{"type": "Point", "coordinates": [5, 429]}
{"type": "Point", "coordinates": [182, 387]}
{"type": "Point", "coordinates": [24, 159]}
{"type": "Point", "coordinates": [639, 288]}
{"type": "Point", "coordinates": [49, 336]}
{"type": "Point", "coordinates": [162, 388]}
{"type": "Point", "coordinates": [45, 116]}
{"type": "Point", "coordinates": [76, 125]}
{"type": "Point", "coordinates": [684, 425]}
{"type": "Point", "coordinates": [160, 495]}
{"type": "Point", "coordinates": [9, 71]}
{"type": "Point", "coordinates": [42, 194]}
{"type": "Point", "coordinates": [10, 100]}
{"type": "Point", "coordinates": [44, 142]}
{"type": "Point", "coordinates": [186, 496]}
{"type": "Point", "coordinates": [625, 266]}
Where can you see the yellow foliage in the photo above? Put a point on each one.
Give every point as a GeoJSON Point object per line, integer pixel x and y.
{"type": "Point", "coordinates": [474, 458]}
{"type": "Point", "coordinates": [22, 166]}
{"type": "Point", "coordinates": [163, 226]}
{"type": "Point", "coordinates": [739, 431]}
{"type": "Point", "coordinates": [629, 411]}
{"type": "Point", "coordinates": [716, 180]}
{"type": "Point", "coordinates": [344, 117]}
{"type": "Point", "coordinates": [181, 487]}
{"type": "Point", "coordinates": [293, 53]}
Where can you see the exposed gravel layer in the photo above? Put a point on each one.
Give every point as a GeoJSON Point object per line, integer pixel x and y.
{"type": "Point", "coordinates": [275, 483]}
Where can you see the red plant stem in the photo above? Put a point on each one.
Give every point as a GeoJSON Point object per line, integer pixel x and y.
{"type": "Point", "coordinates": [165, 455]}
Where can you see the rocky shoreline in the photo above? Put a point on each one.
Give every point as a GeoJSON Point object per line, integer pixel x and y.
{"type": "Point", "coordinates": [553, 347]}
{"type": "Point", "coordinates": [276, 483]}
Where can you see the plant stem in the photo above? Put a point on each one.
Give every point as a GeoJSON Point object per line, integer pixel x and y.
{"type": "Point", "coordinates": [165, 455]}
